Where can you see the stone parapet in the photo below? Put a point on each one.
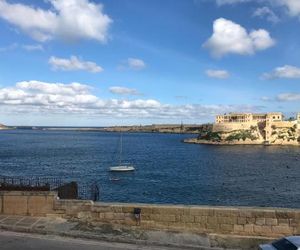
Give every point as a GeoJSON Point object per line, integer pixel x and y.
{"type": "Point", "coordinates": [239, 221]}
{"type": "Point", "coordinates": [27, 203]}
{"type": "Point", "coordinates": [243, 221]}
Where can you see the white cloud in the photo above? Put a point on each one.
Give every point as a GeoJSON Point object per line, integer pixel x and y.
{"type": "Point", "coordinates": [224, 2]}
{"type": "Point", "coordinates": [37, 97]}
{"type": "Point", "coordinates": [33, 47]}
{"type": "Point", "coordinates": [285, 71]}
{"type": "Point", "coordinates": [133, 63]}
{"type": "Point", "coordinates": [220, 74]}
{"type": "Point", "coordinates": [73, 64]}
{"type": "Point", "coordinates": [123, 91]}
{"type": "Point", "coordinates": [66, 19]}
{"type": "Point", "coordinates": [287, 97]}
{"type": "Point", "coordinates": [231, 38]}
{"type": "Point", "coordinates": [266, 12]}
{"type": "Point", "coordinates": [293, 6]}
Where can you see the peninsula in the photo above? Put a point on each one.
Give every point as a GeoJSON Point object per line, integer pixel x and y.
{"type": "Point", "coordinates": [154, 128]}
{"type": "Point", "coordinates": [3, 127]}
{"type": "Point", "coordinates": [248, 128]}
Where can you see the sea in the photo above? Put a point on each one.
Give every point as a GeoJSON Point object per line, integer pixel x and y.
{"type": "Point", "coordinates": [168, 171]}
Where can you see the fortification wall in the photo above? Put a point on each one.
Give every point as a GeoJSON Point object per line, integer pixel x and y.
{"type": "Point", "coordinates": [228, 127]}
{"type": "Point", "coordinates": [284, 124]}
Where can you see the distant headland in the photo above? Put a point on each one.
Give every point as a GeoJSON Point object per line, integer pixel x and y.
{"type": "Point", "coordinates": [3, 127]}
{"type": "Point", "coordinates": [248, 128]}
{"type": "Point", "coordinates": [153, 128]}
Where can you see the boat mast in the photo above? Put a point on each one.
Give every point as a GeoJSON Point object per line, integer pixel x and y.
{"type": "Point", "coordinates": [121, 149]}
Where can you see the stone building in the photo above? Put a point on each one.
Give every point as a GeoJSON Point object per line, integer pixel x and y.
{"type": "Point", "coordinates": [268, 127]}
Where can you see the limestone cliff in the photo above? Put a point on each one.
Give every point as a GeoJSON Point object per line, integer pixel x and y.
{"type": "Point", "coordinates": [2, 127]}
{"type": "Point", "coordinates": [254, 135]}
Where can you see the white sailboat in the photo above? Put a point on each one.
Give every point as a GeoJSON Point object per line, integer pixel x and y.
{"type": "Point", "coordinates": [122, 167]}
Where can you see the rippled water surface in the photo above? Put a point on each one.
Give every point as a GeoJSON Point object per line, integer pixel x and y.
{"type": "Point", "coordinates": [168, 171]}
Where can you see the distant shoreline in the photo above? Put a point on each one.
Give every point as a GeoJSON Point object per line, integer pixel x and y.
{"type": "Point", "coordinates": [234, 143]}
{"type": "Point", "coordinates": [155, 128]}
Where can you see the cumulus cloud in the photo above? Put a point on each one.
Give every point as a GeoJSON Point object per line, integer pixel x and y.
{"type": "Point", "coordinates": [287, 97]}
{"type": "Point", "coordinates": [231, 38]}
{"type": "Point", "coordinates": [76, 98]}
{"type": "Point", "coordinates": [65, 19]}
{"type": "Point", "coordinates": [293, 6]}
{"type": "Point", "coordinates": [123, 91]}
{"type": "Point", "coordinates": [220, 74]}
{"type": "Point", "coordinates": [266, 12]}
{"type": "Point", "coordinates": [286, 71]}
{"type": "Point", "coordinates": [73, 64]}
{"type": "Point", "coordinates": [133, 63]}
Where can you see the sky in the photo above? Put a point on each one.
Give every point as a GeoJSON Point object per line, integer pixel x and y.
{"type": "Point", "coordinates": [131, 62]}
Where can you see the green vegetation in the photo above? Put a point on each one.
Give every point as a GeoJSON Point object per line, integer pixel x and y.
{"type": "Point", "coordinates": [210, 136]}
{"type": "Point", "coordinates": [241, 135]}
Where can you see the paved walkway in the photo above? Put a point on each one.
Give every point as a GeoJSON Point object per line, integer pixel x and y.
{"type": "Point", "coordinates": [12, 241]}
{"type": "Point", "coordinates": [52, 226]}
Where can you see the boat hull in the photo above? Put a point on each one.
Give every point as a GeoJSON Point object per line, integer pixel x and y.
{"type": "Point", "coordinates": [121, 169]}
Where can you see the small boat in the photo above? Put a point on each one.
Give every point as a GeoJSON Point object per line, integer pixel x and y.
{"type": "Point", "coordinates": [122, 167]}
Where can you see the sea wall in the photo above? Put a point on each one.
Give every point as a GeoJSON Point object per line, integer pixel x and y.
{"type": "Point", "coordinates": [244, 221]}
{"type": "Point", "coordinates": [239, 221]}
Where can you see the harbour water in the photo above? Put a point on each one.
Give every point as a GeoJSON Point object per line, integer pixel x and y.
{"type": "Point", "coordinates": [167, 170]}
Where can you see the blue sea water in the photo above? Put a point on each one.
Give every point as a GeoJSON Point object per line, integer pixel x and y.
{"type": "Point", "coordinates": [168, 171]}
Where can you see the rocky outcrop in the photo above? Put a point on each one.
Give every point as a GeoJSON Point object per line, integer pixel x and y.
{"type": "Point", "coordinates": [252, 136]}
{"type": "Point", "coordinates": [3, 127]}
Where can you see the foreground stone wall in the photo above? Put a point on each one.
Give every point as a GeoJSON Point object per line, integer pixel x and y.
{"type": "Point", "coordinates": [241, 221]}
{"type": "Point", "coordinates": [35, 203]}
{"type": "Point", "coordinates": [197, 219]}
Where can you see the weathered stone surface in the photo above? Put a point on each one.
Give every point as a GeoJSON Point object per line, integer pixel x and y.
{"type": "Point", "coordinates": [271, 222]}
{"type": "Point", "coordinates": [241, 220]}
{"type": "Point", "coordinates": [282, 230]}
{"type": "Point", "coordinates": [260, 221]}
{"type": "Point", "coordinates": [199, 219]}
{"type": "Point", "coordinates": [187, 218]}
{"type": "Point", "coordinates": [238, 228]}
{"type": "Point", "coordinates": [227, 220]}
{"type": "Point", "coordinates": [249, 229]}
{"type": "Point", "coordinates": [15, 205]}
{"type": "Point", "coordinates": [40, 205]}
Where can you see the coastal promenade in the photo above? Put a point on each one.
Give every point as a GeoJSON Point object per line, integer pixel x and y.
{"type": "Point", "coordinates": [34, 233]}
{"type": "Point", "coordinates": [25, 241]}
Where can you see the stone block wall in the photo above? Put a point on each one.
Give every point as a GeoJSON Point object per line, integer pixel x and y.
{"type": "Point", "coordinates": [266, 222]}
{"type": "Point", "coordinates": [238, 221]}
{"type": "Point", "coordinates": [34, 203]}
{"type": "Point", "coordinates": [229, 127]}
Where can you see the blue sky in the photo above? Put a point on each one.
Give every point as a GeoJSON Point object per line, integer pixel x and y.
{"type": "Point", "coordinates": [111, 62]}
